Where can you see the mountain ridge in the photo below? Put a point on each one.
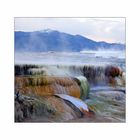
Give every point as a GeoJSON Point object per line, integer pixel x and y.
{"type": "Point", "coordinates": [53, 40]}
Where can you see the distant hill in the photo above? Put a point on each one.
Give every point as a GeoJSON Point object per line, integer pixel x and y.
{"type": "Point", "coordinates": [51, 40]}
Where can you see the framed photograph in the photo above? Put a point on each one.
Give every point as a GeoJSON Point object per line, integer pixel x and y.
{"type": "Point", "coordinates": [69, 69]}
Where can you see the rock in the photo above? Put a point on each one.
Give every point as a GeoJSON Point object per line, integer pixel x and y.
{"type": "Point", "coordinates": [18, 112]}
{"type": "Point", "coordinates": [50, 108]}
{"type": "Point", "coordinates": [112, 71]}
{"type": "Point", "coordinates": [28, 107]}
{"type": "Point", "coordinates": [47, 85]}
{"type": "Point", "coordinates": [64, 111]}
{"type": "Point", "coordinates": [36, 98]}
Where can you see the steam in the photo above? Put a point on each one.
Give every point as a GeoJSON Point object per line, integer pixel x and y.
{"type": "Point", "coordinates": [87, 57]}
{"type": "Point", "coordinates": [35, 41]}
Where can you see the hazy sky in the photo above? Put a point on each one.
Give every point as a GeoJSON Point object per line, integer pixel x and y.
{"type": "Point", "coordinates": [99, 29]}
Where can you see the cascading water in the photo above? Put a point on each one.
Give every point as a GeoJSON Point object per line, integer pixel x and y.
{"type": "Point", "coordinates": [96, 75]}
{"type": "Point", "coordinates": [47, 85]}
{"type": "Point", "coordinates": [100, 85]}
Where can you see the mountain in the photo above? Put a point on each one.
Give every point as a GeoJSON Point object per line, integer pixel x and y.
{"type": "Point", "coordinates": [51, 40]}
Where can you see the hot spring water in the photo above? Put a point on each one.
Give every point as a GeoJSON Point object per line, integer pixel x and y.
{"type": "Point", "coordinates": [98, 80]}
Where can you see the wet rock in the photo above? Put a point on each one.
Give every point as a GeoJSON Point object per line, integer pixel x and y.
{"type": "Point", "coordinates": [18, 112]}
{"type": "Point", "coordinates": [95, 75]}
{"type": "Point", "coordinates": [64, 111]}
{"type": "Point", "coordinates": [47, 85]}
{"type": "Point", "coordinates": [113, 71]}
{"type": "Point", "coordinates": [50, 108]}
{"type": "Point", "coordinates": [29, 107]}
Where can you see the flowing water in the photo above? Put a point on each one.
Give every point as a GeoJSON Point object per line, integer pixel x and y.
{"type": "Point", "coordinates": [101, 74]}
